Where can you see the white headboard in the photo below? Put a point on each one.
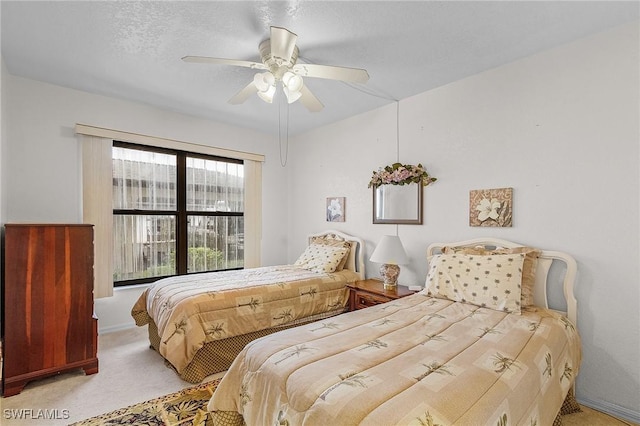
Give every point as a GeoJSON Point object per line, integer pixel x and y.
{"type": "Point", "coordinates": [355, 261]}
{"type": "Point", "coordinates": [543, 281]}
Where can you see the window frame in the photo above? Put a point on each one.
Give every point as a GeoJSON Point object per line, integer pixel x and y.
{"type": "Point", "coordinates": [181, 213]}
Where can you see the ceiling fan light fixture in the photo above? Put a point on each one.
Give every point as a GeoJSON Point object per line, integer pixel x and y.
{"type": "Point", "coordinates": [291, 95]}
{"type": "Point", "coordinates": [292, 81]}
{"type": "Point", "coordinates": [266, 84]}
{"type": "Point", "coordinates": [263, 80]}
{"type": "Point", "coordinates": [267, 95]}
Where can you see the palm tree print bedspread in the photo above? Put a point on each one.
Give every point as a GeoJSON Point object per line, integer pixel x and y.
{"type": "Point", "coordinates": [192, 310]}
{"type": "Point", "coordinates": [417, 360]}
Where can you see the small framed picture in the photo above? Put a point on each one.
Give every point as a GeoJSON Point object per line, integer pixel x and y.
{"type": "Point", "coordinates": [491, 207]}
{"type": "Point", "coordinates": [336, 209]}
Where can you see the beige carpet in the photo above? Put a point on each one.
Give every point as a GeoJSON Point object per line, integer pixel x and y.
{"type": "Point", "coordinates": [130, 373]}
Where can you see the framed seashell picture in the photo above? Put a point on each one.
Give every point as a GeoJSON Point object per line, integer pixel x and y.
{"type": "Point", "coordinates": [491, 207]}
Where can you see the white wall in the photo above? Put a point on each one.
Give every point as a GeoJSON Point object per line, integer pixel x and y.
{"type": "Point", "coordinates": [44, 167]}
{"type": "Point", "coordinates": [562, 129]}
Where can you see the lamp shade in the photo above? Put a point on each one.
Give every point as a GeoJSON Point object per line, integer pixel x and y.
{"type": "Point", "coordinates": [390, 251]}
{"type": "Point", "coordinates": [292, 81]}
{"type": "Point", "coordinates": [291, 95]}
{"type": "Point", "coordinates": [263, 80]}
{"type": "Point", "coordinates": [268, 94]}
{"type": "Point", "coordinates": [266, 85]}
{"type": "Point", "coordinates": [291, 85]}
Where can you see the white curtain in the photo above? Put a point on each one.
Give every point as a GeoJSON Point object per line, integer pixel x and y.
{"type": "Point", "coordinates": [97, 194]}
{"type": "Point", "coordinates": [252, 213]}
{"type": "Point", "coordinates": [97, 209]}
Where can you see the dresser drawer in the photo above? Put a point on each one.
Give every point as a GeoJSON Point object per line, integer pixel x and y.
{"type": "Point", "coordinates": [365, 300]}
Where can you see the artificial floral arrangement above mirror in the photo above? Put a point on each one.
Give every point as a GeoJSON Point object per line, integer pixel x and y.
{"type": "Point", "coordinates": [401, 174]}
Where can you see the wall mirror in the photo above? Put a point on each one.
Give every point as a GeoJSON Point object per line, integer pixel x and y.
{"type": "Point", "coordinates": [400, 204]}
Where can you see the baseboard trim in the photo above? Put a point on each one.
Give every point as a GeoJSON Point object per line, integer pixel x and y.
{"type": "Point", "coordinates": [613, 409]}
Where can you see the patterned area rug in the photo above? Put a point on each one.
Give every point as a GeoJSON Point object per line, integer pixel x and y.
{"type": "Point", "coordinates": [187, 407]}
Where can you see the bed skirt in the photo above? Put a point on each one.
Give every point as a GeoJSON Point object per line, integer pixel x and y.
{"type": "Point", "coordinates": [217, 356]}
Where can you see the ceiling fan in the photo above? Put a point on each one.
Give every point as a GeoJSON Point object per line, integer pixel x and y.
{"type": "Point", "coordinates": [279, 55]}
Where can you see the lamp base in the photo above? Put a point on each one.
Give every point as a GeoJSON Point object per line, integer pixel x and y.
{"type": "Point", "coordinates": [389, 273]}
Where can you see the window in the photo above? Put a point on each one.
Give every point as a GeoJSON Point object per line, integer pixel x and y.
{"type": "Point", "coordinates": [175, 213]}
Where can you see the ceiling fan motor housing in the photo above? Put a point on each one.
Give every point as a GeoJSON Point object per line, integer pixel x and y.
{"type": "Point", "coordinates": [277, 65]}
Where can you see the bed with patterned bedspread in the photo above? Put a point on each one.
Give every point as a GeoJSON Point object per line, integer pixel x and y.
{"type": "Point", "coordinates": [197, 322]}
{"type": "Point", "coordinates": [425, 359]}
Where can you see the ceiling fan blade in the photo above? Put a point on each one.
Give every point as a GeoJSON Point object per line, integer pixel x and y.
{"type": "Point", "coordinates": [309, 100]}
{"type": "Point", "coordinates": [283, 42]}
{"type": "Point", "coordinates": [243, 94]}
{"type": "Point", "coordinates": [354, 75]}
{"type": "Point", "coordinates": [222, 61]}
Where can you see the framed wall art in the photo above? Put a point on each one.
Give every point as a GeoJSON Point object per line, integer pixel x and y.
{"type": "Point", "coordinates": [336, 209]}
{"type": "Point", "coordinates": [491, 207]}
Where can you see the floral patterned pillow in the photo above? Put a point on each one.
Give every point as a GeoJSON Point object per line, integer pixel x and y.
{"type": "Point", "coordinates": [321, 258]}
{"type": "Point", "coordinates": [489, 281]}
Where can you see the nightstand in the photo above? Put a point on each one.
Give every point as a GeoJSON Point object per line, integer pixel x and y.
{"type": "Point", "coordinates": [366, 293]}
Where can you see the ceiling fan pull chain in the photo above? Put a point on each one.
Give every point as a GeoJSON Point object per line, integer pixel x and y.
{"type": "Point", "coordinates": [286, 152]}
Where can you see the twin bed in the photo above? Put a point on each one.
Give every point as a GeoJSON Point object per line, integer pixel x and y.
{"type": "Point", "coordinates": [478, 345]}
{"type": "Point", "coordinates": [473, 348]}
{"type": "Point", "coordinates": [200, 322]}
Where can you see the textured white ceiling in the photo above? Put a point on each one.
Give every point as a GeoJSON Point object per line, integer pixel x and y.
{"type": "Point", "coordinates": [132, 50]}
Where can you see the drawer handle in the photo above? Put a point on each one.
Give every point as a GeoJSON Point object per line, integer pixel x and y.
{"type": "Point", "coordinates": [367, 301]}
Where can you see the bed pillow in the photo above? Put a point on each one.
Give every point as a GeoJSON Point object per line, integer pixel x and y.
{"type": "Point", "coordinates": [528, 269]}
{"type": "Point", "coordinates": [321, 258]}
{"type": "Point", "coordinates": [329, 240]}
{"type": "Point", "coordinates": [491, 281]}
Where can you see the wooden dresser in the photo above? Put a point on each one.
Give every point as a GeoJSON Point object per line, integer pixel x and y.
{"type": "Point", "coordinates": [48, 323]}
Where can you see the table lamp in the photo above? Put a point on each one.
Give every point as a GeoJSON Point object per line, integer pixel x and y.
{"type": "Point", "coordinates": [390, 253]}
